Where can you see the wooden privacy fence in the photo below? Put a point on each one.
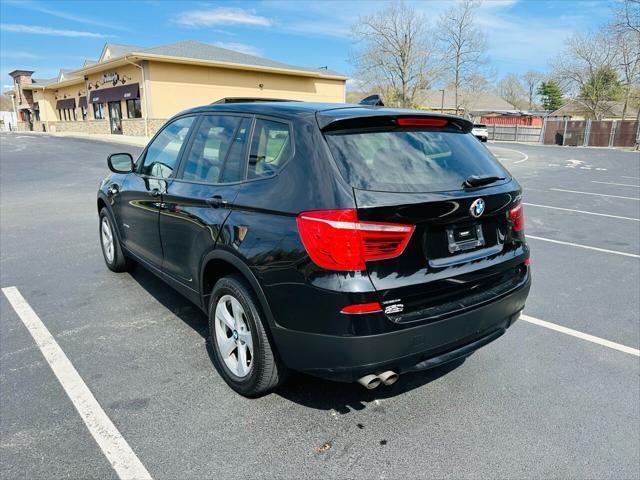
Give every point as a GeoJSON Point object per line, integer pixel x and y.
{"type": "Point", "coordinates": [577, 133]}
{"type": "Point", "coordinates": [514, 133]}
{"type": "Point", "coordinates": [591, 133]}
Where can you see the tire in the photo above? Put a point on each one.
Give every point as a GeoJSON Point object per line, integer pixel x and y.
{"type": "Point", "coordinates": [111, 252]}
{"type": "Point", "coordinates": [257, 371]}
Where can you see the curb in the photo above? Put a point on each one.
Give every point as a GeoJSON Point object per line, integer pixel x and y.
{"type": "Point", "coordinates": [121, 141]}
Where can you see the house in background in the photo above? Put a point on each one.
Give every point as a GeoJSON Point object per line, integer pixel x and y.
{"type": "Point", "coordinates": [133, 90]}
{"type": "Point", "coordinates": [607, 110]}
{"type": "Point", "coordinates": [470, 104]}
{"type": "Point", "coordinates": [521, 118]}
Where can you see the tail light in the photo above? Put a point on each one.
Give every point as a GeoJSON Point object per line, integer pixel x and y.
{"type": "Point", "coordinates": [337, 240]}
{"type": "Point", "coordinates": [516, 216]}
{"type": "Point", "coordinates": [361, 308]}
{"type": "Point", "coordinates": [422, 122]}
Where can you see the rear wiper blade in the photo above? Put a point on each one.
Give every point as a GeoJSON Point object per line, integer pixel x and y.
{"type": "Point", "coordinates": [479, 180]}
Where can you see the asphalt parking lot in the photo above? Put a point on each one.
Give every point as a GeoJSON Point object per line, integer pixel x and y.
{"type": "Point", "coordinates": [537, 403]}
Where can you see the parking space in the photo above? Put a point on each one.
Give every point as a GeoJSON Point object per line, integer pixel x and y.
{"type": "Point", "coordinates": [535, 403]}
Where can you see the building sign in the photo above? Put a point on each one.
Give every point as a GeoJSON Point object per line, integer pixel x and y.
{"type": "Point", "coordinates": [111, 77]}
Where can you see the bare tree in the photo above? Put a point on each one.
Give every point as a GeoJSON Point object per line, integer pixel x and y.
{"type": "Point", "coordinates": [627, 15]}
{"type": "Point", "coordinates": [625, 30]}
{"type": "Point", "coordinates": [531, 81]}
{"type": "Point", "coordinates": [584, 68]}
{"type": "Point", "coordinates": [470, 95]}
{"type": "Point", "coordinates": [394, 55]}
{"type": "Point", "coordinates": [628, 63]}
{"type": "Point", "coordinates": [511, 90]}
{"type": "Point", "coordinates": [463, 43]}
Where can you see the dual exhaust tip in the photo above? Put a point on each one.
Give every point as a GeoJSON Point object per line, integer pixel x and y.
{"type": "Point", "coordinates": [373, 381]}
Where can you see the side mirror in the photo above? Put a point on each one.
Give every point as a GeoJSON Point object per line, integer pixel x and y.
{"type": "Point", "coordinates": [120, 163]}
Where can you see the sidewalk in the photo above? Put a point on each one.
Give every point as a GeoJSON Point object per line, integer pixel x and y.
{"type": "Point", "coordinates": [100, 137]}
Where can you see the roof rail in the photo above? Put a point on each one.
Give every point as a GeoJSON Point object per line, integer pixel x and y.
{"type": "Point", "coordinates": [250, 100]}
{"type": "Point", "coordinates": [373, 100]}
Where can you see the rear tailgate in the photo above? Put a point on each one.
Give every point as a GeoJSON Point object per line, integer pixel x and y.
{"type": "Point", "coordinates": [415, 170]}
{"type": "Point", "coordinates": [453, 261]}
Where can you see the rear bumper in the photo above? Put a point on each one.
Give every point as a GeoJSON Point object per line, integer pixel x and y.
{"type": "Point", "coordinates": [347, 358]}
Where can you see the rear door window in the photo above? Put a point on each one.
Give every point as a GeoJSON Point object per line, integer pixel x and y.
{"type": "Point", "coordinates": [217, 149]}
{"type": "Point", "coordinates": [270, 148]}
{"type": "Point", "coordinates": [411, 160]}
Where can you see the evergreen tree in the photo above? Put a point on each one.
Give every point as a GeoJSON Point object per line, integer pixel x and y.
{"type": "Point", "coordinates": [551, 95]}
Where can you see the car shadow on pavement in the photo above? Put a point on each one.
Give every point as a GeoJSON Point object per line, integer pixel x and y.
{"type": "Point", "coordinates": [302, 389]}
{"type": "Point", "coordinates": [344, 398]}
{"type": "Point", "coordinates": [172, 300]}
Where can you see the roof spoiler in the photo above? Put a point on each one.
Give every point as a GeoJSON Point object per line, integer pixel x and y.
{"type": "Point", "coordinates": [250, 100]}
{"type": "Point", "coordinates": [372, 100]}
{"type": "Point", "coordinates": [346, 119]}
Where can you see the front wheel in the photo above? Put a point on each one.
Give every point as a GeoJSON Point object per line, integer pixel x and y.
{"type": "Point", "coordinates": [111, 250]}
{"type": "Point", "coordinates": [242, 350]}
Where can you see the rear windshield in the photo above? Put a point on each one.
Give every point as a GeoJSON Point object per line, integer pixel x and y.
{"type": "Point", "coordinates": [479, 125]}
{"type": "Point", "coordinates": [411, 161]}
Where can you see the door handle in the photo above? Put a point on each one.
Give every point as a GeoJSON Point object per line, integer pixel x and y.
{"type": "Point", "coordinates": [155, 192]}
{"type": "Point", "coordinates": [216, 201]}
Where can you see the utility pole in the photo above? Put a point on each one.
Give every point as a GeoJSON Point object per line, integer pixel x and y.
{"type": "Point", "coordinates": [13, 101]}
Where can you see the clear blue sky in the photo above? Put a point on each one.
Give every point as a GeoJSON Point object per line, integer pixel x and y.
{"type": "Point", "coordinates": [45, 36]}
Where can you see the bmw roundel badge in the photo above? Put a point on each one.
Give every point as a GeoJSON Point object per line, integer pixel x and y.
{"type": "Point", "coordinates": [477, 208]}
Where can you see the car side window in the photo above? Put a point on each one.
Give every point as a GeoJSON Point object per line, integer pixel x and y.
{"type": "Point", "coordinates": [161, 157]}
{"type": "Point", "coordinates": [211, 145]}
{"type": "Point", "coordinates": [270, 147]}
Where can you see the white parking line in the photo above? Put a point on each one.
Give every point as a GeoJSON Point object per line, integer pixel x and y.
{"type": "Point", "coordinates": [126, 464]}
{"type": "Point", "coordinates": [597, 194]}
{"type": "Point", "coordinates": [583, 336]}
{"type": "Point", "coordinates": [604, 250]}
{"type": "Point", "coordinates": [524, 155]}
{"type": "Point", "coordinates": [582, 211]}
{"type": "Point", "coordinates": [618, 184]}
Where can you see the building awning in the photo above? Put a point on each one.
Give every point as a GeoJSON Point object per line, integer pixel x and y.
{"type": "Point", "coordinates": [114, 94]}
{"type": "Point", "coordinates": [82, 102]}
{"type": "Point", "coordinates": [66, 104]}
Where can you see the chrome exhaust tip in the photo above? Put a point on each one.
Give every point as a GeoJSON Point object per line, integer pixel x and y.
{"type": "Point", "coordinates": [369, 381]}
{"type": "Point", "coordinates": [389, 377]}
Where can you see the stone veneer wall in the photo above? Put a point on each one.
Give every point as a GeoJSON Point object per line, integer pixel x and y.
{"type": "Point", "coordinates": [130, 126]}
{"type": "Point", "coordinates": [135, 126]}
{"type": "Point", "coordinates": [88, 126]}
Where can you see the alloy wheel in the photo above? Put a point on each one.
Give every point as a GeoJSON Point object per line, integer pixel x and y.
{"type": "Point", "coordinates": [106, 235]}
{"type": "Point", "coordinates": [233, 336]}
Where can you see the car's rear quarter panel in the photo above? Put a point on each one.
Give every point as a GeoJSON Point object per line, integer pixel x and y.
{"type": "Point", "coordinates": [262, 231]}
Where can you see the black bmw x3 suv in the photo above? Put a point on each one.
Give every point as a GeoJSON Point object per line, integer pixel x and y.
{"type": "Point", "coordinates": [349, 242]}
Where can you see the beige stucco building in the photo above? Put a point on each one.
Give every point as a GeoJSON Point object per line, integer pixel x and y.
{"type": "Point", "coordinates": [133, 90]}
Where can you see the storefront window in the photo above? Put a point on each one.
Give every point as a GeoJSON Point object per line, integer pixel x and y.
{"type": "Point", "coordinates": [66, 115]}
{"type": "Point", "coordinates": [74, 114]}
{"type": "Point", "coordinates": [60, 114]}
{"type": "Point", "coordinates": [37, 115]}
{"type": "Point", "coordinates": [84, 113]}
{"type": "Point", "coordinates": [133, 108]}
{"type": "Point", "coordinates": [98, 112]}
